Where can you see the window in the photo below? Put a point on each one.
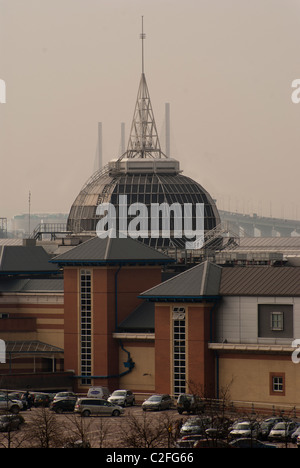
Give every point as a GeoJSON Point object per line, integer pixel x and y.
{"type": "Point", "coordinates": [85, 326]}
{"type": "Point", "coordinates": [179, 351]}
{"type": "Point", "coordinates": [277, 320]}
{"type": "Point", "coordinates": [277, 384]}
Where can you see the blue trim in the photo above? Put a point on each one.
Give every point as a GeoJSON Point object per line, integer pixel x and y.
{"type": "Point", "coordinates": [179, 298]}
{"type": "Point", "coordinates": [111, 262]}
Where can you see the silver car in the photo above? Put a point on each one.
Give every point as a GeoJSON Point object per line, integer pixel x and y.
{"type": "Point", "coordinates": [88, 406]}
{"type": "Point", "coordinates": [122, 398]}
{"type": "Point", "coordinates": [157, 403]}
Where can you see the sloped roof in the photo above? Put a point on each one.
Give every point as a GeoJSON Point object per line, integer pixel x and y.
{"type": "Point", "coordinates": [141, 319]}
{"type": "Point", "coordinates": [24, 259]}
{"type": "Point", "coordinates": [260, 281]}
{"type": "Point", "coordinates": [32, 285]}
{"type": "Point", "coordinates": [111, 250]}
{"type": "Point", "coordinates": [203, 280]}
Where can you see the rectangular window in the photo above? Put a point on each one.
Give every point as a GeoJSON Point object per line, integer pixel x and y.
{"type": "Point", "coordinates": [85, 326]}
{"type": "Point", "coordinates": [179, 351]}
{"type": "Point", "coordinates": [277, 384]}
{"type": "Point", "coordinates": [277, 321]}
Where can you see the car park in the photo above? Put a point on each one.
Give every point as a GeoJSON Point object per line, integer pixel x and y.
{"type": "Point", "coordinates": [282, 431]}
{"type": "Point", "coordinates": [96, 406]}
{"type": "Point", "coordinates": [190, 403]}
{"type": "Point", "coordinates": [122, 398]}
{"type": "Point", "coordinates": [63, 405]}
{"type": "Point", "coordinates": [10, 422]}
{"type": "Point", "coordinates": [157, 403]}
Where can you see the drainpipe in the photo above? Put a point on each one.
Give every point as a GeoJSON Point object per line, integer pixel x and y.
{"type": "Point", "coordinates": [217, 375]}
{"type": "Point", "coordinates": [116, 297]}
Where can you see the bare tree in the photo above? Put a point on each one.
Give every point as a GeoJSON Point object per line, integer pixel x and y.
{"type": "Point", "coordinates": [77, 431]}
{"type": "Point", "coordinates": [44, 430]}
{"type": "Point", "coordinates": [143, 431]}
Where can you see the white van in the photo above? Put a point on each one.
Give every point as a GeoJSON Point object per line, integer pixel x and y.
{"type": "Point", "coordinates": [98, 392]}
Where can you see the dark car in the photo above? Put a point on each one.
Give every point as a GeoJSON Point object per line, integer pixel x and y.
{"type": "Point", "coordinates": [63, 405]}
{"type": "Point", "coordinates": [248, 442]}
{"type": "Point", "coordinates": [10, 422]}
{"type": "Point", "coordinates": [190, 403]}
{"type": "Point", "coordinates": [42, 399]}
{"type": "Point", "coordinates": [267, 425]}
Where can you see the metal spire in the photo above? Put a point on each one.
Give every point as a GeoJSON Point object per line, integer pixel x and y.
{"type": "Point", "coordinates": [143, 140]}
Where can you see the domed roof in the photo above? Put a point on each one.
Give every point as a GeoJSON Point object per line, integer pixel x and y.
{"type": "Point", "coordinates": [146, 188]}
{"type": "Point", "coordinates": [144, 174]}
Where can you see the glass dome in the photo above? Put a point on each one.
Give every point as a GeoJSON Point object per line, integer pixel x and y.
{"type": "Point", "coordinates": [148, 189]}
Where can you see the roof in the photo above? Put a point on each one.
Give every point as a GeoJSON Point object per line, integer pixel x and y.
{"type": "Point", "coordinates": [38, 285]}
{"type": "Point", "coordinates": [141, 319]}
{"type": "Point", "coordinates": [112, 250]}
{"type": "Point", "coordinates": [260, 281]}
{"type": "Point", "coordinates": [199, 282]}
{"type": "Point", "coordinates": [31, 347]}
{"type": "Point", "coordinates": [25, 259]}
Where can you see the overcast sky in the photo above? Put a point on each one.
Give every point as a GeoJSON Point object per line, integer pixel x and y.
{"type": "Point", "coordinates": [225, 66]}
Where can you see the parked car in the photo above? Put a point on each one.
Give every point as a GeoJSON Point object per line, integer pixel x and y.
{"type": "Point", "coordinates": [13, 406]}
{"type": "Point", "coordinates": [190, 404]}
{"type": "Point", "coordinates": [157, 403]}
{"type": "Point", "coordinates": [219, 428]}
{"type": "Point", "coordinates": [295, 434]}
{"type": "Point", "coordinates": [298, 441]}
{"type": "Point", "coordinates": [188, 441]}
{"type": "Point", "coordinates": [267, 425]}
{"type": "Point", "coordinates": [88, 406]}
{"type": "Point", "coordinates": [211, 443]}
{"type": "Point", "coordinates": [246, 429]}
{"type": "Point", "coordinates": [10, 422]}
{"type": "Point", "coordinates": [98, 392]}
{"type": "Point", "coordinates": [62, 405]}
{"type": "Point", "coordinates": [42, 399]}
{"type": "Point", "coordinates": [122, 398]}
{"type": "Point", "coordinates": [20, 397]}
{"type": "Point", "coordinates": [195, 425]}
{"type": "Point", "coordinates": [248, 442]}
{"type": "Point", "coordinates": [282, 431]}
{"type": "Point", "coordinates": [65, 396]}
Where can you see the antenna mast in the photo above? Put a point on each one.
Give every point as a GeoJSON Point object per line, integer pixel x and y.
{"type": "Point", "coordinates": [143, 37]}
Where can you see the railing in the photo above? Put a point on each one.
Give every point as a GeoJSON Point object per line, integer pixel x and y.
{"type": "Point", "coordinates": [52, 229]}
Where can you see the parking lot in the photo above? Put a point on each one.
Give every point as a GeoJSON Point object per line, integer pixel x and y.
{"type": "Point", "coordinates": [161, 429]}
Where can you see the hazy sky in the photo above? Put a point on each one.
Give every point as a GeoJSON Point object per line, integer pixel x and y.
{"type": "Point", "coordinates": [225, 66]}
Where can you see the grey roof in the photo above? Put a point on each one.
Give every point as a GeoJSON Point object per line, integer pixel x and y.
{"type": "Point", "coordinates": [260, 281]}
{"type": "Point", "coordinates": [24, 259]}
{"type": "Point", "coordinates": [112, 250]}
{"type": "Point", "coordinates": [200, 281]}
{"type": "Point", "coordinates": [32, 285]}
{"type": "Point", "coordinates": [141, 319]}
